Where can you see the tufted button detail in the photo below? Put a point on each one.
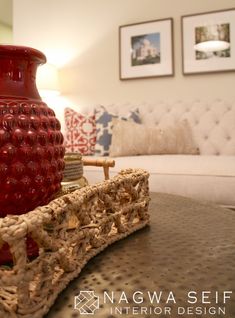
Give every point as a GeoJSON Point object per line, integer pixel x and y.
{"type": "Point", "coordinates": [217, 153]}
{"type": "Point", "coordinates": [211, 121]}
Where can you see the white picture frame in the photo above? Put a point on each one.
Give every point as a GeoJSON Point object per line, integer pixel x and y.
{"type": "Point", "coordinates": [215, 25]}
{"type": "Point", "coordinates": [146, 49]}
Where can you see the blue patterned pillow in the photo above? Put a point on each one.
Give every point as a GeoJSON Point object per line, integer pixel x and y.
{"type": "Point", "coordinates": [104, 127]}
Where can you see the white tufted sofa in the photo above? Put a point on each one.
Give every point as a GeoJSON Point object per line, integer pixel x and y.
{"type": "Point", "coordinates": [209, 176]}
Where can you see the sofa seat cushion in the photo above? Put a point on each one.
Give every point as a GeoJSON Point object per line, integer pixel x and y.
{"type": "Point", "coordinates": [178, 164]}
{"type": "Point", "coordinates": [210, 178]}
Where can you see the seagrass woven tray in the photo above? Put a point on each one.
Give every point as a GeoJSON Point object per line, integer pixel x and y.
{"type": "Point", "coordinates": [69, 231]}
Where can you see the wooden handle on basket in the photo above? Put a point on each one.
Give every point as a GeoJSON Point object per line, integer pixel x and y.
{"type": "Point", "coordinates": [100, 162]}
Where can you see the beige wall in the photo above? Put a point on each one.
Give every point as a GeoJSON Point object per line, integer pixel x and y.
{"type": "Point", "coordinates": [6, 36]}
{"type": "Point", "coordinates": [95, 76]}
{"type": "Point", "coordinates": [81, 36]}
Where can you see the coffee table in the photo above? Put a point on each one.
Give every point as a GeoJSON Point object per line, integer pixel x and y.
{"type": "Point", "coordinates": [187, 256]}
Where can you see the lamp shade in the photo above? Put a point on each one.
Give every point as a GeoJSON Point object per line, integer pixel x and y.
{"type": "Point", "coordinates": [47, 79]}
{"type": "Point", "coordinates": [212, 46]}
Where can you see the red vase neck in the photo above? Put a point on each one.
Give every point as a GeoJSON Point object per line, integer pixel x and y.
{"type": "Point", "coordinates": [18, 66]}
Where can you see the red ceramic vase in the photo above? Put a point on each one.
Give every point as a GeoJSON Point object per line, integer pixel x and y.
{"type": "Point", "coordinates": [31, 143]}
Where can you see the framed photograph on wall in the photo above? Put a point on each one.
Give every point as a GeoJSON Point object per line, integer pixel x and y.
{"type": "Point", "coordinates": [146, 49]}
{"type": "Point", "coordinates": [208, 42]}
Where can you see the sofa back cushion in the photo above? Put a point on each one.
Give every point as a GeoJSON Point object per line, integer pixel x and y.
{"type": "Point", "coordinates": [212, 122]}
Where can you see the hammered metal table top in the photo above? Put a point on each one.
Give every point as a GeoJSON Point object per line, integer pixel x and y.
{"type": "Point", "coordinates": [186, 256]}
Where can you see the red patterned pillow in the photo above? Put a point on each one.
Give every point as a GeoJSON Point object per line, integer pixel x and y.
{"type": "Point", "coordinates": [80, 135]}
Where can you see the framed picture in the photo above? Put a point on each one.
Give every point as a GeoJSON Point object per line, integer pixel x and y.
{"type": "Point", "coordinates": [146, 49]}
{"type": "Point", "coordinates": [208, 42]}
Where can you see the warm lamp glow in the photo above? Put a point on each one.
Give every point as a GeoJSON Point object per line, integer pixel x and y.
{"type": "Point", "coordinates": [211, 46]}
{"type": "Point", "coordinates": [47, 80]}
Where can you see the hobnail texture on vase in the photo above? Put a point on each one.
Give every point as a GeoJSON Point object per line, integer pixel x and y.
{"type": "Point", "coordinates": [31, 155]}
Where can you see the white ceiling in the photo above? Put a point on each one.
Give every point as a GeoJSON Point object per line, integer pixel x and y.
{"type": "Point", "coordinates": [6, 12]}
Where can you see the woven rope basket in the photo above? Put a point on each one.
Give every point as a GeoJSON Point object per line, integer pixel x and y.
{"type": "Point", "coordinates": [103, 214]}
